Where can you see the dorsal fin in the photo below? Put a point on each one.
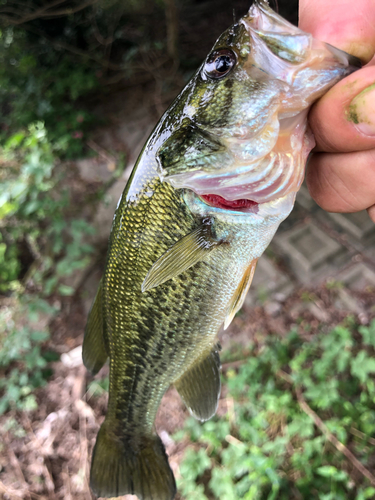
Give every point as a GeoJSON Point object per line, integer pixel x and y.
{"type": "Point", "coordinates": [184, 254]}
{"type": "Point", "coordinates": [199, 387]}
{"type": "Point", "coordinates": [94, 351]}
{"type": "Point", "coordinates": [240, 294]}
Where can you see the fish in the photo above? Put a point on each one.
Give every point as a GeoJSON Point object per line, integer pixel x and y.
{"type": "Point", "coordinates": [217, 176]}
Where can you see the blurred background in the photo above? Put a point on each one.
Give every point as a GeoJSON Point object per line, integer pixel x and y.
{"type": "Point", "coordinates": [82, 83]}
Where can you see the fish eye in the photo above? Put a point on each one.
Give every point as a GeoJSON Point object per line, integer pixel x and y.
{"type": "Point", "coordinates": [219, 63]}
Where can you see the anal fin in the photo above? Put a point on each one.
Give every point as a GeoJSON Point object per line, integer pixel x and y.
{"type": "Point", "coordinates": [240, 294]}
{"type": "Point", "coordinates": [94, 351]}
{"type": "Point", "coordinates": [189, 250]}
{"type": "Point", "coordinates": [199, 387]}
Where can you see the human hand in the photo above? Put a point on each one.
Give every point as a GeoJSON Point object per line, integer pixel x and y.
{"type": "Point", "coordinates": [341, 172]}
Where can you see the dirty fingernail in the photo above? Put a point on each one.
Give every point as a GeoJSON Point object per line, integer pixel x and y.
{"type": "Point", "coordinates": [361, 111]}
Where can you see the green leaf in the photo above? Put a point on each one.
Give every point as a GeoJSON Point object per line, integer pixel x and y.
{"type": "Point", "coordinates": [327, 471]}
{"type": "Point", "coordinates": [18, 189]}
{"type": "Point", "coordinates": [30, 403]}
{"type": "Point", "coordinates": [39, 336]}
{"type": "Point", "coordinates": [369, 492]}
{"type": "Point", "coordinates": [368, 334]}
{"type": "Point", "coordinates": [65, 290]}
{"type": "Point", "coordinates": [362, 365]}
{"type": "Point", "coordinates": [14, 140]}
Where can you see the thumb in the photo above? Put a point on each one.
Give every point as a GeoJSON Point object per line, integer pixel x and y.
{"type": "Point", "coordinates": [348, 25]}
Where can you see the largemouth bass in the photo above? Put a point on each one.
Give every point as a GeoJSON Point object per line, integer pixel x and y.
{"type": "Point", "coordinates": [218, 174]}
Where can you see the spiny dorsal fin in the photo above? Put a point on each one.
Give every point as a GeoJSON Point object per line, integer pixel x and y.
{"type": "Point", "coordinates": [199, 387]}
{"type": "Point", "coordinates": [240, 294]}
{"type": "Point", "coordinates": [94, 352]}
{"type": "Point", "coordinates": [185, 253]}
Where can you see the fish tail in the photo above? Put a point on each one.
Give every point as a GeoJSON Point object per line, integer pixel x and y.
{"type": "Point", "coordinates": [136, 465]}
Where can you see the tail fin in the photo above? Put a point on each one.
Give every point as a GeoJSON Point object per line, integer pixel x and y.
{"type": "Point", "coordinates": [135, 465]}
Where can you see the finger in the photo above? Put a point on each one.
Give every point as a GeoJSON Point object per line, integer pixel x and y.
{"type": "Point", "coordinates": [349, 107]}
{"type": "Point", "coordinates": [342, 182]}
{"type": "Point", "coordinates": [371, 212]}
{"type": "Point", "coordinates": [348, 25]}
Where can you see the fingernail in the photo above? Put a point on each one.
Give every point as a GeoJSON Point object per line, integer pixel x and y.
{"type": "Point", "coordinates": [361, 111]}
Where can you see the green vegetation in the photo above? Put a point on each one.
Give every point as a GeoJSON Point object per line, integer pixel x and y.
{"type": "Point", "coordinates": [34, 214]}
{"type": "Point", "coordinates": [41, 238]}
{"type": "Point", "coordinates": [55, 54]}
{"type": "Point", "coordinates": [32, 91]}
{"type": "Point", "coordinates": [21, 354]}
{"type": "Point", "coordinates": [39, 83]}
{"type": "Point", "coordinates": [97, 387]}
{"type": "Point", "coordinates": [297, 409]}
{"type": "Point", "coordinates": [41, 244]}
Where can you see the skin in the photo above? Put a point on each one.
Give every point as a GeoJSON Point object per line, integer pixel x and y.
{"type": "Point", "coordinates": [341, 173]}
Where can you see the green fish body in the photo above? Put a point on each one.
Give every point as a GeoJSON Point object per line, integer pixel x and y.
{"type": "Point", "coordinates": [212, 184]}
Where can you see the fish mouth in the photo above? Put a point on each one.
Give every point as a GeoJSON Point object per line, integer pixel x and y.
{"type": "Point", "coordinates": [241, 205]}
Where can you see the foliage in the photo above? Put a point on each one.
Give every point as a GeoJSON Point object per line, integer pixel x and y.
{"type": "Point", "coordinates": [38, 83]}
{"type": "Point", "coordinates": [52, 56]}
{"type": "Point", "coordinates": [34, 219]}
{"type": "Point", "coordinates": [20, 354]}
{"type": "Point", "coordinates": [33, 212]}
{"type": "Point", "coordinates": [269, 447]}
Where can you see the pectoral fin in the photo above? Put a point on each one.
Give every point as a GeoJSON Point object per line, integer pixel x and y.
{"type": "Point", "coordinates": [200, 386]}
{"type": "Point", "coordinates": [240, 294]}
{"type": "Point", "coordinates": [94, 351]}
{"type": "Point", "coordinates": [185, 253]}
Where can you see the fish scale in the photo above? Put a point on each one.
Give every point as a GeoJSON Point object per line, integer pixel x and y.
{"type": "Point", "coordinates": [218, 174]}
{"type": "Point", "coordinates": [165, 315]}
